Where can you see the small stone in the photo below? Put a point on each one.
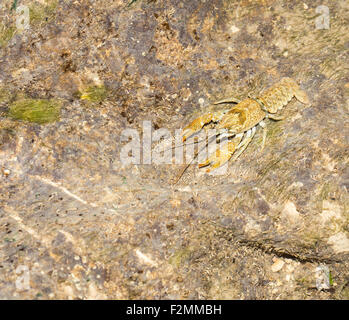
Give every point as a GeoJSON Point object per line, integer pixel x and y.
{"type": "Point", "coordinates": [322, 277]}
{"type": "Point", "coordinates": [290, 213]}
{"type": "Point", "coordinates": [185, 189]}
{"type": "Point", "coordinates": [234, 29]}
{"type": "Point", "coordinates": [175, 203]}
{"type": "Point", "coordinates": [290, 268]}
{"type": "Point", "coordinates": [277, 265]}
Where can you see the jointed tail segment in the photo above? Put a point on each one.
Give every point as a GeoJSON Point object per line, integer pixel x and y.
{"type": "Point", "coordinates": [277, 96]}
{"type": "Point", "coordinates": [241, 121]}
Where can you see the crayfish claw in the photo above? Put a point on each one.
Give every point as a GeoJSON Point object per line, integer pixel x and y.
{"type": "Point", "coordinates": [221, 155]}
{"type": "Point", "coordinates": [196, 125]}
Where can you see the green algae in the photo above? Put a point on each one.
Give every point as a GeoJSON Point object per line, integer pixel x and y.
{"type": "Point", "coordinates": [94, 94]}
{"type": "Point", "coordinates": [6, 34]}
{"type": "Point", "coordinates": [39, 111]}
{"type": "Point", "coordinates": [180, 256]}
{"type": "Point", "coordinates": [40, 13]}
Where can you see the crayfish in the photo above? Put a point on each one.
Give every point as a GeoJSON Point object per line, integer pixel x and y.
{"type": "Point", "coordinates": [238, 124]}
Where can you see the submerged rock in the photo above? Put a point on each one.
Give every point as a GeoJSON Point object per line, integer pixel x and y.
{"type": "Point", "coordinates": [79, 223]}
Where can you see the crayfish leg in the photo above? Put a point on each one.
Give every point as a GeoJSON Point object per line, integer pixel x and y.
{"type": "Point", "coordinates": [264, 136]}
{"type": "Point", "coordinates": [227, 100]}
{"type": "Point", "coordinates": [244, 143]}
{"type": "Point", "coordinates": [275, 118]}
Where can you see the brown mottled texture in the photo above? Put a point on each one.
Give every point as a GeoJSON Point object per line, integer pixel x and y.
{"type": "Point", "coordinates": [242, 117]}
{"type": "Point", "coordinates": [81, 225]}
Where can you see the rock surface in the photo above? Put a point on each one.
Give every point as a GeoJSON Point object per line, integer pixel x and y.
{"type": "Point", "coordinates": [77, 224]}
